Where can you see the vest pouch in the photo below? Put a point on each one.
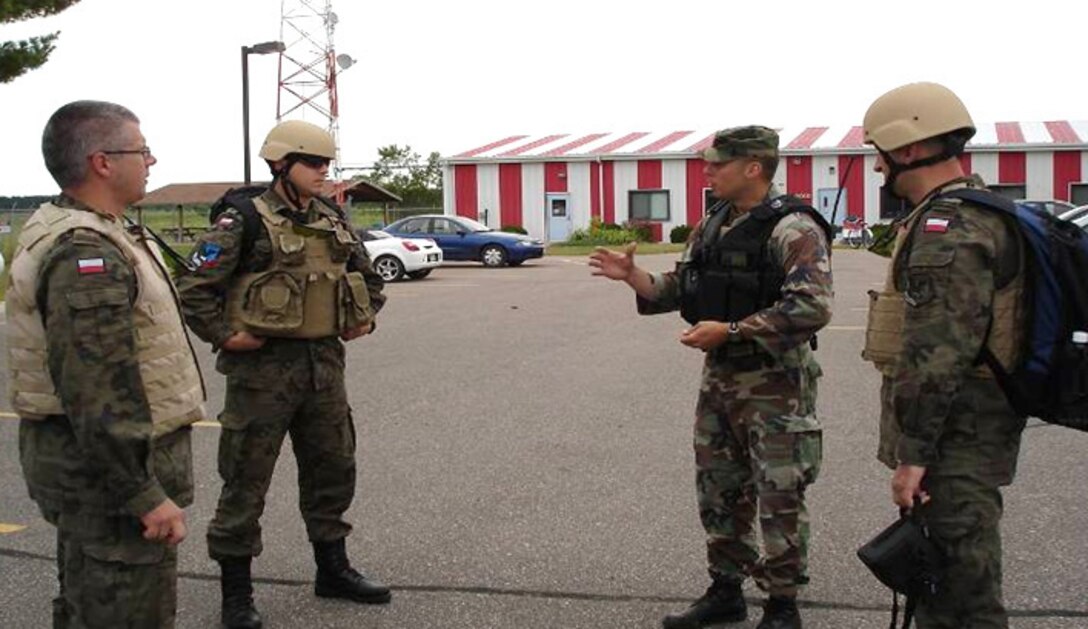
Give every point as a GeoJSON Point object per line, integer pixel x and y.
{"type": "Point", "coordinates": [712, 291]}
{"type": "Point", "coordinates": [688, 277]}
{"type": "Point", "coordinates": [355, 309]}
{"type": "Point", "coordinates": [341, 245]}
{"type": "Point", "coordinates": [884, 332]}
{"type": "Point", "coordinates": [293, 249]}
{"type": "Point", "coordinates": [273, 304]}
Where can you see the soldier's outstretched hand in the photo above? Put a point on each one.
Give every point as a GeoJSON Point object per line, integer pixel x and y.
{"type": "Point", "coordinates": [615, 265]}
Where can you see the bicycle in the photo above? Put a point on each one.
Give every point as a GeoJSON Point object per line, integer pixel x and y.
{"type": "Point", "coordinates": [856, 233]}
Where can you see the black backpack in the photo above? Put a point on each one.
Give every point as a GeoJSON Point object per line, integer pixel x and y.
{"type": "Point", "coordinates": [1051, 381]}
{"type": "Point", "coordinates": [241, 199]}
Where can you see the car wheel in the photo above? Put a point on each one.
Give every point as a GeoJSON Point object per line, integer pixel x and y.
{"type": "Point", "coordinates": [389, 268]}
{"type": "Point", "coordinates": [493, 256]}
{"type": "Point", "coordinates": [420, 274]}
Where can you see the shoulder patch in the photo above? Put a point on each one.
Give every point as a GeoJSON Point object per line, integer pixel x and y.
{"type": "Point", "coordinates": [90, 266]}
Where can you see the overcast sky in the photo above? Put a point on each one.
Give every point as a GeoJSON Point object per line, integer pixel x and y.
{"type": "Point", "coordinates": [450, 75]}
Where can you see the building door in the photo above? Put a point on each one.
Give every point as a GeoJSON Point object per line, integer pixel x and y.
{"type": "Point", "coordinates": [557, 208]}
{"type": "Point", "coordinates": [825, 204]}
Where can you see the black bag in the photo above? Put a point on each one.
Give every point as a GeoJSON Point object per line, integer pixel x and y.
{"type": "Point", "coordinates": [905, 559]}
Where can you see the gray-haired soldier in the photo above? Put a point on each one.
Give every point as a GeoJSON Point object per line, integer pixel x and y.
{"type": "Point", "coordinates": [103, 377]}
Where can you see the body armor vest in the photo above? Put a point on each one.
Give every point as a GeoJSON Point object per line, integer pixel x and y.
{"type": "Point", "coordinates": [306, 292]}
{"type": "Point", "coordinates": [168, 366]}
{"type": "Point", "coordinates": [731, 276]}
{"type": "Point", "coordinates": [887, 313]}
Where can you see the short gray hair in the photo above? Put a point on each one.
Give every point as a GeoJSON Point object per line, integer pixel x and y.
{"type": "Point", "coordinates": [75, 131]}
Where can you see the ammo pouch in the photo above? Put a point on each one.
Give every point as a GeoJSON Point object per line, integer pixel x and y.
{"type": "Point", "coordinates": [273, 304]}
{"type": "Point", "coordinates": [905, 559]}
{"type": "Point", "coordinates": [702, 293]}
{"type": "Point", "coordinates": [354, 301]}
{"type": "Point", "coordinates": [884, 332]}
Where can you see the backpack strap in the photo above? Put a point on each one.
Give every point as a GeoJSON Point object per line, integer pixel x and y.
{"type": "Point", "coordinates": [241, 199]}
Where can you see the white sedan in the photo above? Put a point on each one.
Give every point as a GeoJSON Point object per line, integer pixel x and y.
{"type": "Point", "coordinates": [394, 258]}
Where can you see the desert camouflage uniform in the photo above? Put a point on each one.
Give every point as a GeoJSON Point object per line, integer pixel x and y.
{"type": "Point", "coordinates": [940, 413]}
{"type": "Point", "coordinates": [757, 440]}
{"type": "Point", "coordinates": [95, 469]}
{"type": "Point", "coordinates": [293, 386]}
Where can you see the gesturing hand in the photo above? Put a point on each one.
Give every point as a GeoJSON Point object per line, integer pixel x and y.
{"type": "Point", "coordinates": [615, 265]}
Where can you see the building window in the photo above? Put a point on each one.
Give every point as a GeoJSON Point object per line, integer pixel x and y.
{"type": "Point", "coordinates": [649, 205]}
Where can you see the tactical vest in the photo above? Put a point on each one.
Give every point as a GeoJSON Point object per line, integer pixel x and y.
{"type": "Point", "coordinates": [306, 292]}
{"type": "Point", "coordinates": [887, 313]}
{"type": "Point", "coordinates": [731, 276]}
{"type": "Point", "coordinates": [168, 366]}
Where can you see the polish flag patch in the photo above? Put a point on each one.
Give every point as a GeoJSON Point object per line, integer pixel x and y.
{"type": "Point", "coordinates": [936, 225]}
{"type": "Point", "coordinates": [87, 266]}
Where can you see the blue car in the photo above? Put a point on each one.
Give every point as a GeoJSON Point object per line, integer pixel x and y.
{"type": "Point", "coordinates": [462, 238]}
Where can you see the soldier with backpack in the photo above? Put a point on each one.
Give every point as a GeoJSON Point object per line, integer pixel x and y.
{"type": "Point", "coordinates": [955, 292]}
{"type": "Point", "coordinates": [280, 281]}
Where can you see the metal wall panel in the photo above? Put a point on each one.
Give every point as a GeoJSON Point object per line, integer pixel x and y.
{"type": "Point", "coordinates": [626, 179]}
{"type": "Point", "coordinates": [580, 194]}
{"type": "Point", "coordinates": [1040, 175]}
{"type": "Point", "coordinates": [532, 199]}
{"type": "Point", "coordinates": [487, 195]}
{"type": "Point", "coordinates": [985, 165]}
{"type": "Point", "coordinates": [674, 178]}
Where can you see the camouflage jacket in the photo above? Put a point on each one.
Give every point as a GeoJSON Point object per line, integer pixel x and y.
{"type": "Point", "coordinates": [949, 269]}
{"type": "Point", "coordinates": [203, 293]}
{"type": "Point", "coordinates": [800, 247]}
{"type": "Point", "coordinates": [101, 455]}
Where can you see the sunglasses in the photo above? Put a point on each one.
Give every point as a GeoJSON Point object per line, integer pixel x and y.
{"type": "Point", "coordinates": [313, 161]}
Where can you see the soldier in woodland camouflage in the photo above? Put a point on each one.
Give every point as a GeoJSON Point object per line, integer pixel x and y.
{"type": "Point", "coordinates": [280, 281]}
{"type": "Point", "coordinates": [955, 285]}
{"type": "Point", "coordinates": [103, 378]}
{"type": "Point", "coordinates": [755, 283]}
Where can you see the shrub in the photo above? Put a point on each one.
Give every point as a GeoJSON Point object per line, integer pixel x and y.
{"type": "Point", "coordinates": [514, 229]}
{"type": "Point", "coordinates": [680, 233]}
{"type": "Point", "coordinates": [600, 233]}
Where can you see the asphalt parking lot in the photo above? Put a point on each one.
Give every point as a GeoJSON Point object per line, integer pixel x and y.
{"type": "Point", "coordinates": [525, 461]}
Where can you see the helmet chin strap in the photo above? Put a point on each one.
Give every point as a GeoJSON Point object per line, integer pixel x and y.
{"type": "Point", "coordinates": [949, 150]}
{"type": "Point", "coordinates": [294, 197]}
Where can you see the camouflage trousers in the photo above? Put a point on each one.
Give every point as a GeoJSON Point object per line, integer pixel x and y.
{"type": "Point", "coordinates": [255, 422]}
{"type": "Point", "coordinates": [110, 576]}
{"type": "Point", "coordinates": [757, 447]}
{"type": "Point", "coordinates": [963, 516]}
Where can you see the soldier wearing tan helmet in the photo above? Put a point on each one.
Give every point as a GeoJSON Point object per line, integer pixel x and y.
{"type": "Point", "coordinates": [280, 281]}
{"type": "Point", "coordinates": [954, 287]}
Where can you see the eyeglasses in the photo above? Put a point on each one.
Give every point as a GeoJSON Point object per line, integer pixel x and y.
{"type": "Point", "coordinates": [313, 161]}
{"type": "Point", "coordinates": [145, 151]}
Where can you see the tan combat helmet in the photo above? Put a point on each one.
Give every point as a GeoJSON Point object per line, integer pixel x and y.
{"type": "Point", "coordinates": [915, 112]}
{"type": "Point", "coordinates": [296, 136]}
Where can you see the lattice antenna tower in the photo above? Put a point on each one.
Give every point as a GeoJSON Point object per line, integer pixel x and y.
{"type": "Point", "coordinates": [308, 66]}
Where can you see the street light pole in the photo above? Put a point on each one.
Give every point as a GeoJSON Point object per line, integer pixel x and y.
{"type": "Point", "coordinates": [258, 49]}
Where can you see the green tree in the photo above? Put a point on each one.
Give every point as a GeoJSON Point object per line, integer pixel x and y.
{"type": "Point", "coordinates": [17, 57]}
{"type": "Point", "coordinates": [403, 172]}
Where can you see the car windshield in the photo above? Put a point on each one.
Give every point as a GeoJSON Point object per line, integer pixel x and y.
{"type": "Point", "coordinates": [473, 226]}
{"type": "Point", "coordinates": [378, 234]}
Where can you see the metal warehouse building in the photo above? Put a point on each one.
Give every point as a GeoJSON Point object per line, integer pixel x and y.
{"type": "Point", "coordinates": [553, 184]}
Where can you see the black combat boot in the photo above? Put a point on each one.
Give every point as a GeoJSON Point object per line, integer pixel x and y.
{"type": "Point", "coordinates": [237, 586]}
{"type": "Point", "coordinates": [723, 602]}
{"type": "Point", "coordinates": [780, 613]}
{"type": "Point", "coordinates": [337, 579]}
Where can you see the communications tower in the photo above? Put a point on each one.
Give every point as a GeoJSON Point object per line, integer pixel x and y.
{"type": "Point", "coordinates": [308, 67]}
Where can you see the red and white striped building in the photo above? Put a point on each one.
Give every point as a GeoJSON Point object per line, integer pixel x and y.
{"type": "Point", "coordinates": [554, 183]}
